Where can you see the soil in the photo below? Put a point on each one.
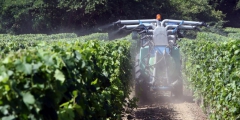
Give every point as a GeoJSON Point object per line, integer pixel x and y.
{"type": "Point", "coordinates": [165, 107]}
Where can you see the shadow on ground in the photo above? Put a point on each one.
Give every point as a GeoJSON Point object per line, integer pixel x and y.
{"type": "Point", "coordinates": [159, 108]}
{"type": "Point", "coordinates": [165, 97]}
{"type": "Point", "coordinates": [155, 113]}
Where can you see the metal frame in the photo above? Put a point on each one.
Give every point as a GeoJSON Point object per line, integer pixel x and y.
{"type": "Point", "coordinates": [146, 28]}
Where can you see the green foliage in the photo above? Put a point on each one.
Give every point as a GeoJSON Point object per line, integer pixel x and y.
{"type": "Point", "coordinates": [88, 6]}
{"type": "Point", "coordinates": [82, 17]}
{"type": "Point", "coordinates": [70, 78]}
{"type": "Point", "coordinates": [233, 33]}
{"type": "Point", "coordinates": [95, 36]}
{"type": "Point", "coordinates": [208, 36]}
{"type": "Point", "coordinates": [230, 9]}
{"type": "Point", "coordinates": [211, 66]}
{"type": "Point", "coordinates": [232, 30]}
{"type": "Point", "coordinates": [196, 10]}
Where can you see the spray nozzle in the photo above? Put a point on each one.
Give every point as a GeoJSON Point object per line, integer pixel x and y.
{"type": "Point", "coordinates": [117, 22]}
{"type": "Point", "coordinates": [205, 24]}
{"type": "Point", "coordinates": [123, 27]}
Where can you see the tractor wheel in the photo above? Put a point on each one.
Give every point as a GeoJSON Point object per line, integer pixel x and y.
{"type": "Point", "coordinates": [134, 35]}
{"type": "Point", "coordinates": [178, 89]}
{"type": "Point", "coordinates": [142, 89]}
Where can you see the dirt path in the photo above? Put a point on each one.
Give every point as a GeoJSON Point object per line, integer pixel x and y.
{"type": "Point", "coordinates": [164, 107]}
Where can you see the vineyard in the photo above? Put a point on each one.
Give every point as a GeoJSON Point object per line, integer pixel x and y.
{"type": "Point", "coordinates": [63, 76]}
{"type": "Point", "coordinates": [211, 66]}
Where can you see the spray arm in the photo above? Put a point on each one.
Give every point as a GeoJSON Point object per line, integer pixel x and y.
{"type": "Point", "coordinates": [135, 26]}
{"type": "Point", "coordinates": [183, 27]}
{"type": "Point", "coordinates": [127, 22]}
{"type": "Point", "coordinates": [184, 22]}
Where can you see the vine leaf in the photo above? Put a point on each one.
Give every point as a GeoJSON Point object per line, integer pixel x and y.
{"type": "Point", "coordinates": [94, 82]}
{"type": "Point", "coordinates": [28, 98]}
{"type": "Point", "coordinates": [59, 76]}
{"type": "Point", "coordinates": [24, 67]}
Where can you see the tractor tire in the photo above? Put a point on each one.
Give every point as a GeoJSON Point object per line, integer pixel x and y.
{"type": "Point", "coordinates": [142, 89]}
{"type": "Point", "coordinates": [134, 35]}
{"type": "Point", "coordinates": [178, 89]}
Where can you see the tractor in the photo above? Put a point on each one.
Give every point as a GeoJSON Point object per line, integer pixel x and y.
{"type": "Point", "coordinates": [158, 62]}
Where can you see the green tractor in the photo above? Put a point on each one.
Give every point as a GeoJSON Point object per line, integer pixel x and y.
{"type": "Point", "coordinates": [158, 64]}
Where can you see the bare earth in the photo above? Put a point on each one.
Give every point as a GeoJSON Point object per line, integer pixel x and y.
{"type": "Point", "coordinates": [164, 107]}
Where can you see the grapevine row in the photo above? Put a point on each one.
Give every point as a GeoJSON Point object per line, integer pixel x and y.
{"type": "Point", "coordinates": [212, 67]}
{"type": "Point", "coordinates": [57, 79]}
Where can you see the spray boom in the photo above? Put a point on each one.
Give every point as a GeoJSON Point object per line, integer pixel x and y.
{"type": "Point", "coordinates": [128, 22]}
{"type": "Point", "coordinates": [158, 66]}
